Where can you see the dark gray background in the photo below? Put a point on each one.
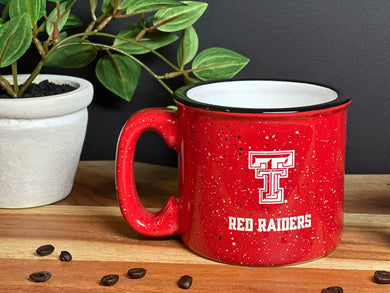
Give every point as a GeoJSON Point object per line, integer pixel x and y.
{"type": "Point", "coordinates": [340, 43]}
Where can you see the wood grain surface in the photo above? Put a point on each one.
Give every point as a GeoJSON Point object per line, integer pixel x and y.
{"type": "Point", "coordinates": [89, 225]}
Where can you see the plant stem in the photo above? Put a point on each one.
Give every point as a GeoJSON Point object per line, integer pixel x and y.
{"type": "Point", "coordinates": [38, 45]}
{"type": "Point", "coordinates": [125, 41]}
{"type": "Point", "coordinates": [108, 47]}
{"type": "Point", "coordinates": [7, 86]}
{"type": "Point", "coordinates": [186, 73]}
{"type": "Point", "coordinates": [149, 29]}
{"type": "Point", "coordinates": [142, 16]}
{"type": "Point", "coordinates": [92, 10]}
{"type": "Point", "coordinates": [56, 31]}
{"type": "Point", "coordinates": [14, 68]}
{"type": "Point", "coordinates": [183, 62]}
{"type": "Point", "coordinates": [104, 22]}
{"type": "Point", "coordinates": [34, 25]}
{"type": "Point", "coordinates": [32, 76]}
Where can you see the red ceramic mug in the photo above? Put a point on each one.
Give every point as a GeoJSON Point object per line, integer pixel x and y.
{"type": "Point", "coordinates": [261, 170]}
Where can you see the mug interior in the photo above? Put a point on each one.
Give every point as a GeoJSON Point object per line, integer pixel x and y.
{"type": "Point", "coordinates": [264, 95]}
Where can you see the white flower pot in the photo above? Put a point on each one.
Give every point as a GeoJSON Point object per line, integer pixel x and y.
{"type": "Point", "coordinates": [40, 143]}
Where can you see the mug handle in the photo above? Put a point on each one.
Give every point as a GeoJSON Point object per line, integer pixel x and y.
{"type": "Point", "coordinates": [163, 223]}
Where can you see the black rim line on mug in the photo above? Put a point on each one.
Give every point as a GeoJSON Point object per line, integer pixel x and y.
{"type": "Point", "coordinates": [180, 96]}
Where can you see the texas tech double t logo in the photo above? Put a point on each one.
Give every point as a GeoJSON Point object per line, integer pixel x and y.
{"type": "Point", "coordinates": [271, 167]}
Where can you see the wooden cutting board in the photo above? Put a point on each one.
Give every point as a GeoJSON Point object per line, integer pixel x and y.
{"type": "Point", "coordinates": [89, 225]}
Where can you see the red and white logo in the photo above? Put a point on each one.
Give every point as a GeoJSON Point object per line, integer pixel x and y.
{"type": "Point", "coordinates": [271, 166]}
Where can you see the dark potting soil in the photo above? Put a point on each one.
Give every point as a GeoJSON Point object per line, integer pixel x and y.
{"type": "Point", "coordinates": [44, 88]}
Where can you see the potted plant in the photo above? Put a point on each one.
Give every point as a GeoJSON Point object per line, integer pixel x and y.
{"type": "Point", "coordinates": [38, 154]}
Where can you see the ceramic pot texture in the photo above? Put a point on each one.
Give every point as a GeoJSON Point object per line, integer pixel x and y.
{"type": "Point", "coordinates": [40, 144]}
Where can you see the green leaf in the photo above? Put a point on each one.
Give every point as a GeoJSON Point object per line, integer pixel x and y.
{"type": "Point", "coordinates": [142, 6]}
{"type": "Point", "coordinates": [153, 40]}
{"type": "Point", "coordinates": [5, 2]}
{"type": "Point", "coordinates": [53, 17]}
{"type": "Point", "coordinates": [186, 16]}
{"type": "Point", "coordinates": [72, 22]}
{"type": "Point", "coordinates": [72, 56]}
{"type": "Point", "coordinates": [15, 39]}
{"type": "Point", "coordinates": [106, 5]}
{"type": "Point", "coordinates": [69, 3]}
{"type": "Point", "coordinates": [119, 74]}
{"type": "Point", "coordinates": [94, 4]}
{"type": "Point", "coordinates": [122, 4]}
{"type": "Point", "coordinates": [19, 7]}
{"type": "Point", "coordinates": [188, 46]}
{"type": "Point", "coordinates": [218, 63]}
{"type": "Point", "coordinates": [63, 35]}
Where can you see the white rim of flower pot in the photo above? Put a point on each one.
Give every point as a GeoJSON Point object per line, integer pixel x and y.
{"type": "Point", "coordinates": [48, 106]}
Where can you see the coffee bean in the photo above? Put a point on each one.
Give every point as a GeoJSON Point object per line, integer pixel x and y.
{"type": "Point", "coordinates": [40, 276]}
{"type": "Point", "coordinates": [382, 277]}
{"type": "Point", "coordinates": [185, 282]}
{"type": "Point", "coordinates": [109, 280]}
{"type": "Point", "coordinates": [45, 250]}
{"type": "Point", "coordinates": [136, 273]}
{"type": "Point", "coordinates": [65, 256]}
{"type": "Point", "coordinates": [334, 289]}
